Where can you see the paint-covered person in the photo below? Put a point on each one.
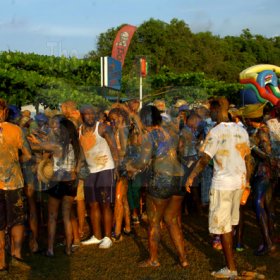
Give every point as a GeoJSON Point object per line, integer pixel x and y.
{"type": "Point", "coordinates": [158, 156]}
{"type": "Point", "coordinates": [78, 216]}
{"type": "Point", "coordinates": [188, 155]}
{"type": "Point", "coordinates": [100, 149]}
{"type": "Point", "coordinates": [262, 179]}
{"type": "Point", "coordinates": [119, 122]}
{"type": "Point", "coordinates": [12, 210]}
{"type": "Point", "coordinates": [64, 150]}
{"type": "Point", "coordinates": [228, 145]}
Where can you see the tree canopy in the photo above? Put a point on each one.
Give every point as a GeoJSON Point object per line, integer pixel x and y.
{"type": "Point", "coordinates": [181, 64]}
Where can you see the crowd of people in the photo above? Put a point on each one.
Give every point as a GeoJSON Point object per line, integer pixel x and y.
{"type": "Point", "coordinates": [118, 165]}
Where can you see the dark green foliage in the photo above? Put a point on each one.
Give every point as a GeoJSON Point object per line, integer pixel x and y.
{"type": "Point", "coordinates": [181, 64]}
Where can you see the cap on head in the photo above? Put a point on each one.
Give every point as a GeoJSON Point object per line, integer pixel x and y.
{"type": "Point", "coordinates": [184, 108]}
{"type": "Point", "coordinates": [179, 103]}
{"type": "Point", "coordinates": [40, 117]}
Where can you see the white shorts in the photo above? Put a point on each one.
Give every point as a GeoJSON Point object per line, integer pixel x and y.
{"type": "Point", "coordinates": [223, 210]}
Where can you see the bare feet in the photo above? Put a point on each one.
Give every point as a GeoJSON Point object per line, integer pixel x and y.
{"type": "Point", "coordinates": [149, 263]}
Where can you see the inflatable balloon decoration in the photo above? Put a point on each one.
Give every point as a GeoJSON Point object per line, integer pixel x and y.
{"type": "Point", "coordinates": [261, 84]}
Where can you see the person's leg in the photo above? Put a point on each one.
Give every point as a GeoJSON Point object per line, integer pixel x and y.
{"type": "Point", "coordinates": [155, 208]}
{"type": "Point", "coordinates": [33, 219]}
{"type": "Point", "coordinates": [81, 208]}
{"type": "Point", "coordinates": [95, 218]}
{"type": "Point", "coordinates": [107, 215]}
{"type": "Point", "coordinates": [171, 212]}
{"type": "Point", "coordinates": [17, 236]}
{"type": "Point", "coordinates": [81, 212]}
{"type": "Point", "coordinates": [16, 213]}
{"type": "Point", "coordinates": [67, 202]}
{"type": "Point", "coordinates": [119, 206]}
{"type": "Point", "coordinates": [260, 188]}
{"type": "Point", "coordinates": [223, 215]}
{"type": "Point", "coordinates": [75, 226]}
{"type": "Point", "coordinates": [127, 224]}
{"type": "Point", "coordinates": [269, 203]}
{"type": "Point", "coordinates": [2, 249]}
{"type": "Point", "coordinates": [136, 196]}
{"type": "Point", "coordinates": [53, 205]}
{"type": "Point", "coordinates": [240, 230]}
{"type": "Point", "coordinates": [227, 242]}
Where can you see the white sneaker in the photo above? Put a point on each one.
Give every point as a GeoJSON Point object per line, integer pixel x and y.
{"type": "Point", "coordinates": [92, 240]}
{"type": "Point", "coordinates": [106, 243]}
{"type": "Point", "coordinates": [225, 273]}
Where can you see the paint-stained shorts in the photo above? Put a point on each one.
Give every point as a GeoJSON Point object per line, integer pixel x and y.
{"type": "Point", "coordinates": [100, 187]}
{"type": "Point", "coordinates": [223, 210]}
{"type": "Point", "coordinates": [162, 186]}
{"type": "Point", "coordinates": [12, 208]}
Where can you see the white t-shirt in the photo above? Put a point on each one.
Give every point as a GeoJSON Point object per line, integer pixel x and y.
{"type": "Point", "coordinates": [228, 144]}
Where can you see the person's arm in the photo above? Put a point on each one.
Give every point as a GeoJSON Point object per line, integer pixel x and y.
{"type": "Point", "coordinates": [249, 169]}
{"type": "Point", "coordinates": [107, 132]}
{"type": "Point", "coordinates": [25, 149]}
{"type": "Point", "coordinates": [200, 165]}
{"type": "Point", "coordinates": [49, 147]}
{"type": "Point", "coordinates": [123, 135]}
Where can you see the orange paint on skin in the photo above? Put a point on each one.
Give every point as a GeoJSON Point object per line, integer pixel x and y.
{"type": "Point", "coordinates": [88, 140]}
{"type": "Point", "coordinates": [243, 149]}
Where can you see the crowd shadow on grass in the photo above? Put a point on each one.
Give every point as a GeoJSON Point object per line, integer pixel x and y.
{"type": "Point", "coordinates": [195, 229]}
{"type": "Point", "coordinates": [138, 239]}
{"type": "Point", "coordinates": [164, 245]}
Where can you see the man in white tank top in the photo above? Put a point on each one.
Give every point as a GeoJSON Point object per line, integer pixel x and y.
{"type": "Point", "coordinates": [100, 149]}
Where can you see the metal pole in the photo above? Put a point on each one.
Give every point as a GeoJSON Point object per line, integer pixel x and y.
{"type": "Point", "coordinates": [140, 86]}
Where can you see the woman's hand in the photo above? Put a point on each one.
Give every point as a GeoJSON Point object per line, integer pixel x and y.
{"type": "Point", "coordinates": [189, 184]}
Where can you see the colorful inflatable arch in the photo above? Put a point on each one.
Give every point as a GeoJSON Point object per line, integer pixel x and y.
{"type": "Point", "coordinates": [261, 84]}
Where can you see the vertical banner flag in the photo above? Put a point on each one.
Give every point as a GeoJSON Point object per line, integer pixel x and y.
{"type": "Point", "coordinates": [122, 41]}
{"type": "Point", "coordinates": [143, 67]}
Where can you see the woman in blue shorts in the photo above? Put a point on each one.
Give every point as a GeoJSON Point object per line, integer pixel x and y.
{"type": "Point", "coordinates": [158, 156]}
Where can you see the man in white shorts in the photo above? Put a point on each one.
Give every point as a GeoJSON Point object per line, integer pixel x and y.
{"type": "Point", "coordinates": [228, 145]}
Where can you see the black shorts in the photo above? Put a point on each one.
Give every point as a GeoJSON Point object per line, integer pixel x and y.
{"type": "Point", "coordinates": [63, 188]}
{"type": "Point", "coordinates": [100, 187]}
{"type": "Point", "coordinates": [12, 208]}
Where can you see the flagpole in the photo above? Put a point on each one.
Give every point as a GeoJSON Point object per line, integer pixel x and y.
{"type": "Point", "coordinates": [140, 87]}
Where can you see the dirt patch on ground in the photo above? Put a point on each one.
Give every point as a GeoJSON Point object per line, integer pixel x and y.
{"type": "Point", "coordinates": [120, 261]}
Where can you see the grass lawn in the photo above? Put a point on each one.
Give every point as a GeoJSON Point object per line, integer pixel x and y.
{"type": "Point", "coordinates": [120, 261]}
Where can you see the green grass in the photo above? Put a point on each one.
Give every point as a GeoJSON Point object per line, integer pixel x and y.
{"type": "Point", "coordinates": [120, 261]}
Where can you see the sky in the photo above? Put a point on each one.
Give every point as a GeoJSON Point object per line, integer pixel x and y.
{"type": "Point", "coordinates": [71, 27]}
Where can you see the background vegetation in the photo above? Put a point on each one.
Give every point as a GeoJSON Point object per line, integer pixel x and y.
{"type": "Point", "coordinates": [181, 65]}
